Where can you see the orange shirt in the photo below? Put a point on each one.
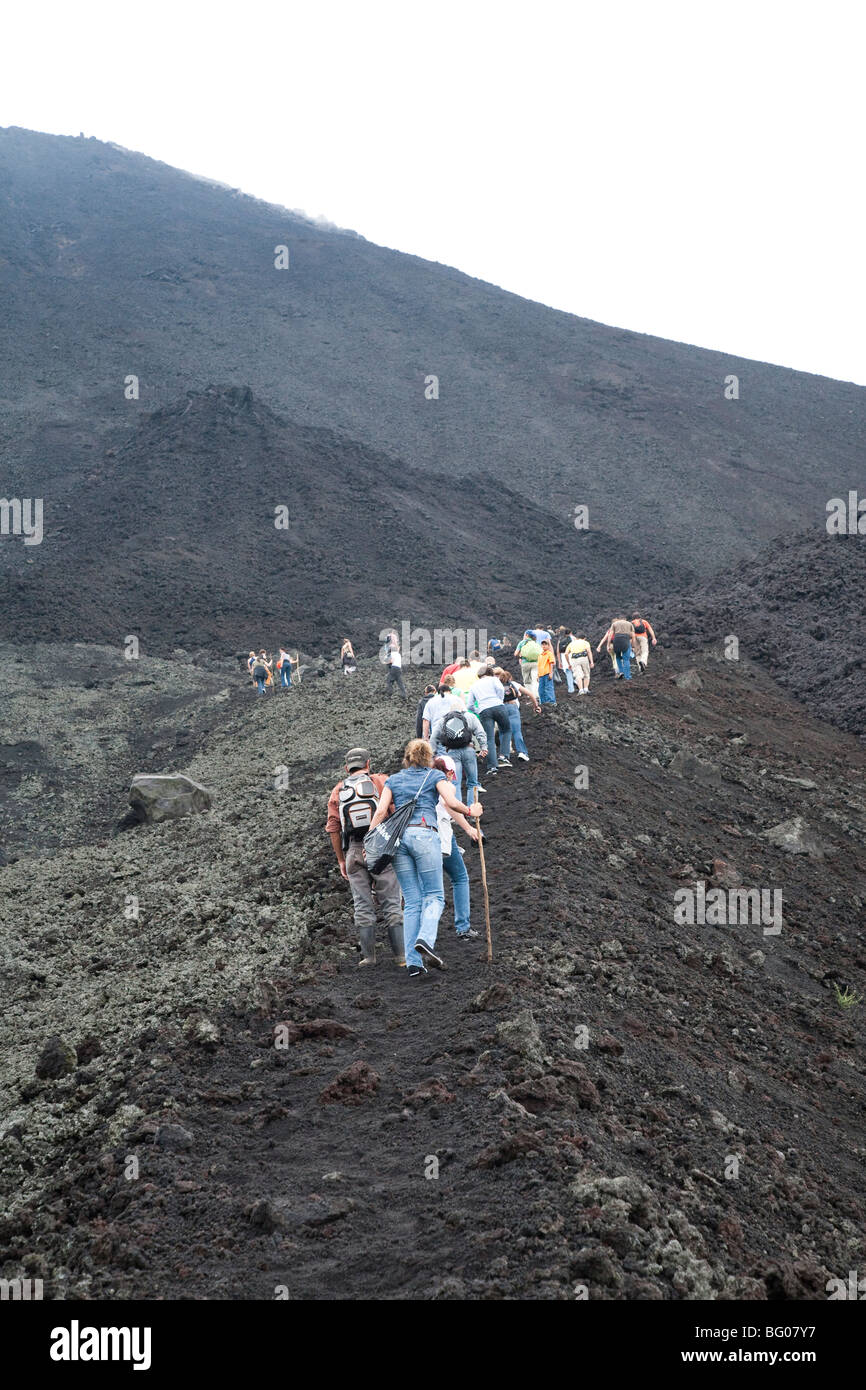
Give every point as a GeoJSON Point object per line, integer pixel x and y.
{"type": "Point", "coordinates": [545, 663]}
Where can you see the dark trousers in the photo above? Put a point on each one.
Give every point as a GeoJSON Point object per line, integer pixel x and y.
{"type": "Point", "coordinates": [395, 677]}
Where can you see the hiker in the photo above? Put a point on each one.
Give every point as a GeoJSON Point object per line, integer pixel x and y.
{"type": "Point", "coordinates": [394, 662]}
{"type": "Point", "coordinates": [262, 672]}
{"type": "Point", "coordinates": [487, 700]}
{"type": "Point", "coordinates": [465, 677]}
{"type": "Point", "coordinates": [429, 692]}
{"type": "Point", "coordinates": [643, 635]}
{"type": "Point", "coordinates": [284, 666]}
{"type": "Point", "coordinates": [618, 640]}
{"type": "Point", "coordinates": [579, 652]}
{"type": "Point", "coordinates": [418, 860]}
{"type": "Point", "coordinates": [347, 658]}
{"type": "Point", "coordinates": [511, 699]}
{"type": "Point", "coordinates": [459, 734]}
{"type": "Point", "coordinates": [251, 661]}
{"type": "Point", "coordinates": [528, 651]}
{"type": "Point", "coordinates": [437, 703]}
{"type": "Point", "coordinates": [351, 807]}
{"type": "Point", "coordinates": [452, 854]}
{"type": "Point", "coordinates": [546, 692]}
{"type": "Point", "coordinates": [562, 661]}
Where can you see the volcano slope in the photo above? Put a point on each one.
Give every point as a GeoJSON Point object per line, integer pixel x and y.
{"type": "Point", "coordinates": [170, 533]}
{"type": "Point", "coordinates": [797, 607]}
{"type": "Point", "coordinates": [619, 1104]}
{"type": "Point", "coordinates": [115, 266]}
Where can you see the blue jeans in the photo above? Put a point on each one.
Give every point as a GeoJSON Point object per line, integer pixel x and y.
{"type": "Point", "coordinates": [515, 732]}
{"type": "Point", "coordinates": [624, 663]}
{"type": "Point", "coordinates": [418, 865]}
{"type": "Point", "coordinates": [261, 687]}
{"type": "Point", "coordinates": [496, 716]}
{"type": "Point", "coordinates": [465, 760]}
{"type": "Point", "coordinates": [569, 679]}
{"type": "Point", "coordinates": [546, 692]}
{"type": "Point", "coordinates": [456, 870]}
{"type": "Point", "coordinates": [285, 676]}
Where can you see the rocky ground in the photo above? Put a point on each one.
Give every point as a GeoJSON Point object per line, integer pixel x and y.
{"type": "Point", "coordinates": [618, 1104]}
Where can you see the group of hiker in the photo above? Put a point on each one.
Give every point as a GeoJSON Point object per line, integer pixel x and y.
{"type": "Point", "coordinates": [471, 714]}
{"type": "Point", "coordinates": [262, 667]}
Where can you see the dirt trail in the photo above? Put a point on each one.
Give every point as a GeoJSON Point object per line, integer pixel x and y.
{"type": "Point", "coordinates": [452, 1137]}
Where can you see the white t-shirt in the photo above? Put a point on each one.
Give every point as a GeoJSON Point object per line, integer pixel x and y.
{"type": "Point", "coordinates": [396, 658]}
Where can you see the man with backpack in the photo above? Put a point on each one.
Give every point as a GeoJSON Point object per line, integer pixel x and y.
{"type": "Point", "coordinates": [459, 733]}
{"type": "Point", "coordinates": [351, 807]}
{"type": "Point", "coordinates": [529, 650]}
{"type": "Point", "coordinates": [437, 704]}
{"type": "Point", "coordinates": [262, 672]}
{"type": "Point", "coordinates": [643, 635]}
{"type": "Point", "coordinates": [618, 641]}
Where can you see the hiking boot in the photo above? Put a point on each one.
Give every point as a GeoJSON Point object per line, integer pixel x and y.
{"type": "Point", "coordinates": [468, 935]}
{"type": "Point", "coordinates": [524, 757]}
{"type": "Point", "coordinates": [429, 956]}
{"type": "Point", "coordinates": [395, 936]}
{"type": "Point", "coordinates": [415, 970]}
{"type": "Point", "coordinates": [368, 945]}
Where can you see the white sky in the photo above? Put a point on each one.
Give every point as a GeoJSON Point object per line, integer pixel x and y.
{"type": "Point", "coordinates": [693, 170]}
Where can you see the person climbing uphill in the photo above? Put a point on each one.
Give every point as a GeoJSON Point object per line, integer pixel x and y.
{"type": "Point", "coordinates": [351, 807]}
{"type": "Point", "coordinates": [546, 692]}
{"type": "Point", "coordinates": [437, 704]}
{"type": "Point", "coordinates": [418, 860]}
{"type": "Point", "coordinates": [528, 651]}
{"type": "Point", "coordinates": [262, 672]}
{"type": "Point", "coordinates": [429, 692]}
{"type": "Point", "coordinates": [487, 700]}
{"type": "Point", "coordinates": [459, 733]}
{"type": "Point", "coordinates": [511, 699]}
{"type": "Point", "coordinates": [452, 854]}
{"type": "Point", "coordinates": [579, 650]}
{"type": "Point", "coordinates": [284, 666]}
{"type": "Point", "coordinates": [562, 658]}
{"type": "Point", "coordinates": [618, 641]}
{"type": "Point", "coordinates": [643, 635]}
{"type": "Point", "coordinates": [394, 662]}
{"type": "Point", "coordinates": [348, 660]}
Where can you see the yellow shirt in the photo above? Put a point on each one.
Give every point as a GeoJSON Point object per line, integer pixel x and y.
{"type": "Point", "coordinates": [464, 678]}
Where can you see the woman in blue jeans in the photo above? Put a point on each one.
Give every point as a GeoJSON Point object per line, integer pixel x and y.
{"type": "Point", "coordinates": [513, 691]}
{"type": "Point", "coordinates": [452, 857]}
{"type": "Point", "coordinates": [418, 861]}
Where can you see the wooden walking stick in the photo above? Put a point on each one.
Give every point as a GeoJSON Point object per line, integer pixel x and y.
{"type": "Point", "coordinates": [484, 881]}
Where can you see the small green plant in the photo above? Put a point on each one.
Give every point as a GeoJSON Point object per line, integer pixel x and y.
{"type": "Point", "coordinates": [847, 998]}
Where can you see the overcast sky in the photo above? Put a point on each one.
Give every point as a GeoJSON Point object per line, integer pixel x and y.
{"type": "Point", "coordinates": [692, 170]}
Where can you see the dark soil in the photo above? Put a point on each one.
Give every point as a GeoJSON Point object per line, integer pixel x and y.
{"type": "Point", "coordinates": [306, 1169]}
{"type": "Point", "coordinates": [797, 608]}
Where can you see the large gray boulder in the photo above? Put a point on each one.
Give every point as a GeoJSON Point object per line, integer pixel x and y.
{"type": "Point", "coordinates": [157, 798]}
{"type": "Point", "coordinates": [796, 836]}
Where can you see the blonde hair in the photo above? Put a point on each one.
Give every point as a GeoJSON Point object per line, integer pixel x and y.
{"type": "Point", "coordinates": [418, 753]}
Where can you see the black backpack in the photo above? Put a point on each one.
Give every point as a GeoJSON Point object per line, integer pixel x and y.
{"type": "Point", "coordinates": [456, 732]}
{"type": "Point", "coordinates": [358, 802]}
